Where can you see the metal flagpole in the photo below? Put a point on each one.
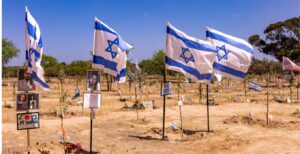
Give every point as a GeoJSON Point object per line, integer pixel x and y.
{"type": "Point", "coordinates": [207, 107]}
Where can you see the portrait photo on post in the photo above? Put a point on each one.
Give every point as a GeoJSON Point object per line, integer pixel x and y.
{"type": "Point", "coordinates": [33, 101]}
{"type": "Point", "coordinates": [93, 81]}
{"type": "Point", "coordinates": [25, 81]}
{"type": "Point", "coordinates": [22, 102]}
{"type": "Point", "coordinates": [91, 100]}
{"type": "Point", "coordinates": [28, 121]}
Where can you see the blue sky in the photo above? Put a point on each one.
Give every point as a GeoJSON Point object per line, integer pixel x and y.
{"type": "Point", "coordinates": [67, 25]}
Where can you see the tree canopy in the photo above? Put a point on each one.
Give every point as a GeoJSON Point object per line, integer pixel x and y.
{"type": "Point", "coordinates": [281, 39]}
{"type": "Point", "coordinates": [9, 51]}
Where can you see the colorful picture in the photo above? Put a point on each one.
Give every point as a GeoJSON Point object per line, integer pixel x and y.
{"type": "Point", "coordinates": [25, 82]}
{"type": "Point", "coordinates": [33, 101]}
{"type": "Point", "coordinates": [28, 121]}
{"type": "Point", "coordinates": [22, 102]}
{"type": "Point", "coordinates": [93, 81]}
{"type": "Point", "coordinates": [91, 100]}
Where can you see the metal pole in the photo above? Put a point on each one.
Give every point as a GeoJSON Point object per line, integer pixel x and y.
{"type": "Point", "coordinates": [207, 107]}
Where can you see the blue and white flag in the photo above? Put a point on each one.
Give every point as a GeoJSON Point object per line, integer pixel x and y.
{"type": "Point", "coordinates": [109, 52]}
{"type": "Point", "coordinates": [254, 86]}
{"type": "Point", "coordinates": [191, 56]}
{"type": "Point", "coordinates": [233, 55]}
{"type": "Point", "coordinates": [34, 51]}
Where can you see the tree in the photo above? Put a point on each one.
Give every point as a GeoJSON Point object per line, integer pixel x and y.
{"type": "Point", "coordinates": [154, 65]}
{"type": "Point", "coordinates": [50, 65]}
{"type": "Point", "coordinates": [78, 67]}
{"type": "Point", "coordinates": [9, 51]}
{"type": "Point", "coordinates": [281, 39]}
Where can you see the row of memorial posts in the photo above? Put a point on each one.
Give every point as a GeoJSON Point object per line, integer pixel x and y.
{"type": "Point", "coordinates": [28, 102]}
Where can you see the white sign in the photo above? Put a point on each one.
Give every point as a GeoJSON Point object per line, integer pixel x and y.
{"type": "Point", "coordinates": [180, 103]}
{"type": "Point", "coordinates": [91, 100]}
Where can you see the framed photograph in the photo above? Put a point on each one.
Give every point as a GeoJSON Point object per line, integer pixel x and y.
{"type": "Point", "coordinates": [33, 101]}
{"type": "Point", "coordinates": [28, 121]}
{"type": "Point", "coordinates": [92, 100]}
{"type": "Point", "coordinates": [93, 81]}
{"type": "Point", "coordinates": [25, 82]}
{"type": "Point", "coordinates": [22, 102]}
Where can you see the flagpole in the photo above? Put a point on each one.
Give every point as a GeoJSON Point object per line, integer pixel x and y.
{"type": "Point", "coordinates": [207, 107]}
{"type": "Point", "coordinates": [164, 105]}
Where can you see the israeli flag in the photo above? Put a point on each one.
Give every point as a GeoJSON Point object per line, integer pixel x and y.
{"type": "Point", "coordinates": [254, 86]}
{"type": "Point", "coordinates": [191, 56]}
{"type": "Point", "coordinates": [34, 51]}
{"type": "Point", "coordinates": [233, 55]}
{"type": "Point", "coordinates": [109, 52]}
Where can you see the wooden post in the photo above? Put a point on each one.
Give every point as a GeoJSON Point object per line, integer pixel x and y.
{"type": "Point", "coordinates": [178, 88]}
{"type": "Point", "coordinates": [61, 109]}
{"type": "Point", "coordinates": [28, 133]}
{"type": "Point", "coordinates": [92, 115]}
{"type": "Point", "coordinates": [245, 87]}
{"type": "Point", "coordinates": [181, 122]}
{"type": "Point", "coordinates": [268, 98]}
{"type": "Point", "coordinates": [207, 107]}
{"type": "Point", "coordinates": [28, 140]}
{"type": "Point", "coordinates": [164, 106]}
{"type": "Point", "coordinates": [200, 93]}
{"type": "Point", "coordinates": [291, 82]}
{"type": "Point", "coordinates": [298, 86]}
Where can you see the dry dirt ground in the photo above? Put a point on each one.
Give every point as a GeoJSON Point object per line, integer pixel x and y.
{"type": "Point", "coordinates": [117, 130]}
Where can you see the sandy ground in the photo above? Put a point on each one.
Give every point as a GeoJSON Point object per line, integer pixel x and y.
{"type": "Point", "coordinates": [117, 130]}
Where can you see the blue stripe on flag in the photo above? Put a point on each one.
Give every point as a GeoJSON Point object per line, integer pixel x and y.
{"type": "Point", "coordinates": [37, 54]}
{"type": "Point", "coordinates": [190, 43]}
{"type": "Point", "coordinates": [100, 26]}
{"type": "Point", "coordinates": [188, 69]}
{"type": "Point", "coordinates": [121, 74]}
{"type": "Point", "coordinates": [31, 30]}
{"type": "Point", "coordinates": [228, 41]}
{"type": "Point", "coordinates": [106, 63]}
{"type": "Point", "coordinates": [37, 79]}
{"type": "Point", "coordinates": [228, 70]}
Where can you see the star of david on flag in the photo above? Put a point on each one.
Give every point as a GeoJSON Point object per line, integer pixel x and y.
{"type": "Point", "coordinates": [222, 53]}
{"type": "Point", "coordinates": [110, 47]}
{"type": "Point", "coordinates": [234, 55]}
{"type": "Point", "coordinates": [188, 55]}
{"type": "Point", "coordinates": [109, 51]}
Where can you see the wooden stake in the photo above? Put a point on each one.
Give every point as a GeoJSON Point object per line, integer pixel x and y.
{"type": "Point", "coordinates": [62, 112]}
{"type": "Point", "coordinates": [164, 106]}
{"type": "Point", "coordinates": [207, 107]}
{"type": "Point", "coordinates": [200, 93]}
{"type": "Point", "coordinates": [298, 84]}
{"type": "Point", "coordinates": [181, 123]}
{"type": "Point", "coordinates": [268, 98]}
